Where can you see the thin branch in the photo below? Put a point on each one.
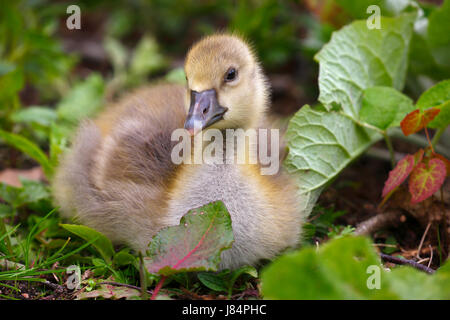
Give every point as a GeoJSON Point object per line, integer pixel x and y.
{"type": "Point", "coordinates": [422, 240]}
{"type": "Point", "coordinates": [431, 256]}
{"type": "Point", "coordinates": [54, 286]}
{"type": "Point", "coordinates": [411, 263]}
{"type": "Point", "coordinates": [437, 136]}
{"type": "Point", "coordinates": [377, 222]}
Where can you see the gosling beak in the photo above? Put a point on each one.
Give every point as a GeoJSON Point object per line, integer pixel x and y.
{"type": "Point", "coordinates": [203, 111]}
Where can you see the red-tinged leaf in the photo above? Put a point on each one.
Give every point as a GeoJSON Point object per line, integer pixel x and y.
{"type": "Point", "coordinates": [398, 174]}
{"type": "Point", "coordinates": [445, 160]}
{"type": "Point", "coordinates": [417, 120]}
{"type": "Point", "coordinates": [426, 179]}
{"type": "Point", "coordinates": [195, 244]}
{"type": "Point", "coordinates": [429, 115]}
{"type": "Point", "coordinates": [412, 122]}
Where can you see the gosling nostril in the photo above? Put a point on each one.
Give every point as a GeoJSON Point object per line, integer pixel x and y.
{"type": "Point", "coordinates": [205, 110]}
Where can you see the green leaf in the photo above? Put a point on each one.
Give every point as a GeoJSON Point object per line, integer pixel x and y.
{"type": "Point", "coordinates": [213, 281]}
{"type": "Point", "coordinates": [321, 144]}
{"type": "Point", "coordinates": [439, 34]}
{"type": "Point", "coordinates": [29, 148]}
{"type": "Point", "coordinates": [58, 142]}
{"type": "Point", "coordinates": [84, 100]}
{"type": "Point", "coordinates": [195, 244]}
{"type": "Point", "coordinates": [101, 243]}
{"type": "Point", "coordinates": [437, 96]}
{"type": "Point", "coordinates": [30, 192]}
{"type": "Point", "coordinates": [357, 58]}
{"type": "Point", "coordinates": [251, 271]}
{"type": "Point", "coordinates": [6, 67]}
{"type": "Point", "coordinates": [341, 269]}
{"type": "Point", "coordinates": [11, 83]}
{"type": "Point", "coordinates": [384, 107]}
{"type": "Point", "coordinates": [33, 191]}
{"type": "Point", "coordinates": [123, 258]}
{"type": "Point", "coordinates": [10, 194]}
{"type": "Point", "coordinates": [35, 114]}
{"type": "Point", "coordinates": [146, 58]}
{"type": "Point", "coordinates": [176, 76]}
{"type": "Point", "coordinates": [117, 53]}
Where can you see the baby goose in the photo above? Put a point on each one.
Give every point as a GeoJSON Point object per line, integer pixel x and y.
{"type": "Point", "coordinates": [119, 177]}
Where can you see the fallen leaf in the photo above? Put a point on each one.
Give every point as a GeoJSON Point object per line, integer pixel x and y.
{"type": "Point", "coordinates": [426, 179]}
{"type": "Point", "coordinates": [109, 291]}
{"type": "Point", "coordinates": [11, 176]}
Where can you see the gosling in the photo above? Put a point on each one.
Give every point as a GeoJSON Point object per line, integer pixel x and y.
{"type": "Point", "coordinates": [119, 178]}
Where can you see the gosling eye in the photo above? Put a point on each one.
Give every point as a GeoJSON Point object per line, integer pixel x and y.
{"type": "Point", "coordinates": [230, 75]}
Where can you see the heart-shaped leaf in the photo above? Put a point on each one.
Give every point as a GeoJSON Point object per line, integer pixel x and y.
{"type": "Point", "coordinates": [445, 160]}
{"type": "Point", "coordinates": [417, 120]}
{"type": "Point", "coordinates": [399, 174]}
{"type": "Point", "coordinates": [426, 179]}
{"type": "Point", "coordinates": [195, 244]}
{"type": "Point", "coordinates": [357, 58]}
{"type": "Point", "coordinates": [321, 144]}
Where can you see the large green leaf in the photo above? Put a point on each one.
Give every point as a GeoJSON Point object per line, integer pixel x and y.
{"type": "Point", "coordinates": [384, 107]}
{"type": "Point", "coordinates": [341, 269]}
{"type": "Point", "coordinates": [437, 96]}
{"type": "Point", "coordinates": [101, 242]}
{"type": "Point", "coordinates": [357, 58]}
{"type": "Point", "coordinates": [195, 244]}
{"type": "Point", "coordinates": [321, 144]}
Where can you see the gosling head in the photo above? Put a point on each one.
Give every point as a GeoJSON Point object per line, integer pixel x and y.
{"type": "Point", "coordinates": [226, 86]}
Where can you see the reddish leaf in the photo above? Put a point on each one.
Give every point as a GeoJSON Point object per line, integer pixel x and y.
{"type": "Point", "coordinates": [445, 160]}
{"type": "Point", "coordinates": [195, 244]}
{"type": "Point", "coordinates": [398, 174]}
{"type": "Point", "coordinates": [426, 179]}
{"type": "Point", "coordinates": [417, 120]}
